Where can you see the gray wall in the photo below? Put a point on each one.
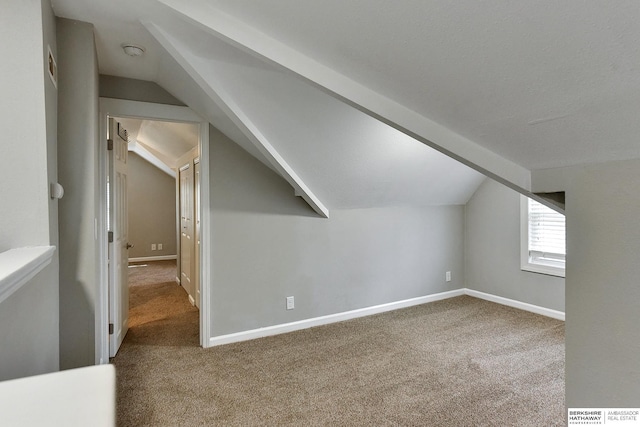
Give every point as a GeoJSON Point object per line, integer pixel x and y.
{"type": "Point", "coordinates": [78, 166]}
{"type": "Point", "coordinates": [603, 277]}
{"type": "Point", "coordinates": [29, 317]}
{"type": "Point", "coordinates": [268, 244]}
{"type": "Point", "coordinates": [492, 250]}
{"type": "Point", "coordinates": [152, 209]}
{"type": "Point", "coordinates": [135, 90]}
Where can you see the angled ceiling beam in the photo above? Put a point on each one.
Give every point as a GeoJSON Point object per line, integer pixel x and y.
{"type": "Point", "coordinates": [240, 119]}
{"type": "Point", "coordinates": [249, 40]}
{"type": "Point", "coordinates": [143, 152]}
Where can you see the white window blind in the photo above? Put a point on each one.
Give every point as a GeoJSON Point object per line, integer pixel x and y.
{"type": "Point", "coordinates": [546, 234]}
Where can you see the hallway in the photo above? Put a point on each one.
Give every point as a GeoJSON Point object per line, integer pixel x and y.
{"type": "Point", "coordinates": [159, 309]}
{"type": "Point", "coordinates": [161, 321]}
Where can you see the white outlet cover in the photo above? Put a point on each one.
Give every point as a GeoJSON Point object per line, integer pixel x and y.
{"type": "Point", "coordinates": [290, 303]}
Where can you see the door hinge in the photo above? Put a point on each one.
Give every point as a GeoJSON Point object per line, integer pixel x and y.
{"type": "Point", "coordinates": [109, 144]}
{"type": "Point", "coordinates": [110, 328]}
{"type": "Point", "coordinates": [110, 236]}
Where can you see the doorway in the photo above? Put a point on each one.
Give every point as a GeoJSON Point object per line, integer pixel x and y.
{"type": "Point", "coordinates": [199, 277]}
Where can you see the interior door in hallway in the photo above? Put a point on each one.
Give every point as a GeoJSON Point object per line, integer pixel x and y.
{"type": "Point", "coordinates": [119, 230]}
{"type": "Point", "coordinates": [187, 230]}
{"type": "Point", "coordinates": [196, 255]}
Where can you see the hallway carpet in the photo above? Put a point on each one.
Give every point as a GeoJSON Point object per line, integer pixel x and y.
{"type": "Point", "coordinates": [457, 362]}
{"type": "Point", "coordinates": [159, 308]}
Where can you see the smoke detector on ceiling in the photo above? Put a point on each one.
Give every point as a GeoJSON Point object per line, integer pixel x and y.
{"type": "Point", "coordinates": [133, 49]}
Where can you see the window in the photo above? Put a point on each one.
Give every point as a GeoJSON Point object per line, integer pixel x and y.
{"type": "Point", "coordinates": [543, 239]}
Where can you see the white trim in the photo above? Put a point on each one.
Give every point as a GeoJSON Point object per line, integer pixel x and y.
{"type": "Point", "coordinates": [18, 266]}
{"type": "Point", "coordinates": [178, 281]}
{"type": "Point", "coordinates": [226, 103]}
{"type": "Point", "coordinates": [146, 110]}
{"type": "Point", "coordinates": [147, 155]}
{"type": "Point", "coordinates": [517, 304]}
{"type": "Point", "coordinates": [258, 44]}
{"type": "Point", "coordinates": [192, 301]}
{"type": "Point", "coordinates": [543, 269]}
{"type": "Point", "coordinates": [331, 318]}
{"type": "Point", "coordinates": [525, 263]}
{"type": "Point", "coordinates": [205, 237]}
{"type": "Point", "coordinates": [153, 258]}
{"type": "Point", "coordinates": [368, 311]}
{"type": "Point", "coordinates": [101, 326]}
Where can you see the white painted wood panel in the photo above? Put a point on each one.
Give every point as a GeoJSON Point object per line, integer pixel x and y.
{"type": "Point", "coordinates": [18, 266]}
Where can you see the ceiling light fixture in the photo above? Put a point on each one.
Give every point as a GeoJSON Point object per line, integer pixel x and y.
{"type": "Point", "coordinates": [132, 49]}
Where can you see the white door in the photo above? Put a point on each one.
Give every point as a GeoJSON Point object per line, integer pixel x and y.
{"type": "Point", "coordinates": [119, 233]}
{"type": "Point", "coordinates": [186, 230]}
{"type": "Point", "coordinates": [196, 255]}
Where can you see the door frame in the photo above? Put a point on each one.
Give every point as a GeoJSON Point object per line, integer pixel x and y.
{"type": "Point", "coordinates": [145, 110]}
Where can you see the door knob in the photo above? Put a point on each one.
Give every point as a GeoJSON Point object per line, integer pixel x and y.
{"type": "Point", "coordinates": [129, 245]}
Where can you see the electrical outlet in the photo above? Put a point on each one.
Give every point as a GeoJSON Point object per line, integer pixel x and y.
{"type": "Point", "coordinates": [447, 276]}
{"type": "Point", "coordinates": [290, 304]}
{"type": "Point", "coordinates": [159, 246]}
{"type": "Point", "coordinates": [153, 246]}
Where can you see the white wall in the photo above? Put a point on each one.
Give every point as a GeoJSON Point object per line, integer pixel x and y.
{"type": "Point", "coordinates": [24, 211]}
{"type": "Point", "coordinates": [51, 119]}
{"type": "Point", "coordinates": [603, 281]}
{"type": "Point", "coordinates": [29, 328]}
{"type": "Point", "coordinates": [268, 244]}
{"type": "Point", "coordinates": [29, 318]}
{"type": "Point", "coordinates": [78, 173]}
{"type": "Point", "coordinates": [492, 250]}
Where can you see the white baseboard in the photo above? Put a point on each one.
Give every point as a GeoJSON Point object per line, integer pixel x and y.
{"type": "Point", "coordinates": [331, 318]}
{"type": "Point", "coordinates": [178, 281]}
{"type": "Point", "coordinates": [368, 311]}
{"type": "Point", "coordinates": [516, 304]}
{"type": "Point", "coordinates": [192, 301]}
{"type": "Point", "coordinates": [153, 258]}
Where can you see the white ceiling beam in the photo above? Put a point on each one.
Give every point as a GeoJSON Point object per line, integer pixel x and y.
{"type": "Point", "coordinates": [249, 40]}
{"type": "Point", "coordinates": [143, 152]}
{"type": "Point", "coordinates": [226, 103]}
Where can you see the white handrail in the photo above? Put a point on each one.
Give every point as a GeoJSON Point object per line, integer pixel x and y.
{"type": "Point", "coordinates": [18, 266]}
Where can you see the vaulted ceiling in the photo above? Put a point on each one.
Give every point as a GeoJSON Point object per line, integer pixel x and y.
{"type": "Point", "coordinates": [356, 102]}
{"type": "Point", "coordinates": [160, 143]}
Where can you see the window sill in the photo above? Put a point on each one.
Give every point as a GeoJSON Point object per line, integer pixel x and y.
{"type": "Point", "coordinates": [543, 269]}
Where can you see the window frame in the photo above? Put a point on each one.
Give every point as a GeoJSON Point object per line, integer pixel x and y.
{"type": "Point", "coordinates": [549, 267]}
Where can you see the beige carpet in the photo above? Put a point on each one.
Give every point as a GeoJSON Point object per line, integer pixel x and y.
{"type": "Point", "coordinates": [458, 362]}
{"type": "Point", "coordinates": [159, 309]}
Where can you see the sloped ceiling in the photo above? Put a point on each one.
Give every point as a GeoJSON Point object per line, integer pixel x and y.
{"type": "Point", "coordinates": [523, 84]}
{"type": "Point", "coordinates": [167, 140]}
{"type": "Point", "coordinates": [347, 158]}
{"type": "Point", "coordinates": [542, 83]}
